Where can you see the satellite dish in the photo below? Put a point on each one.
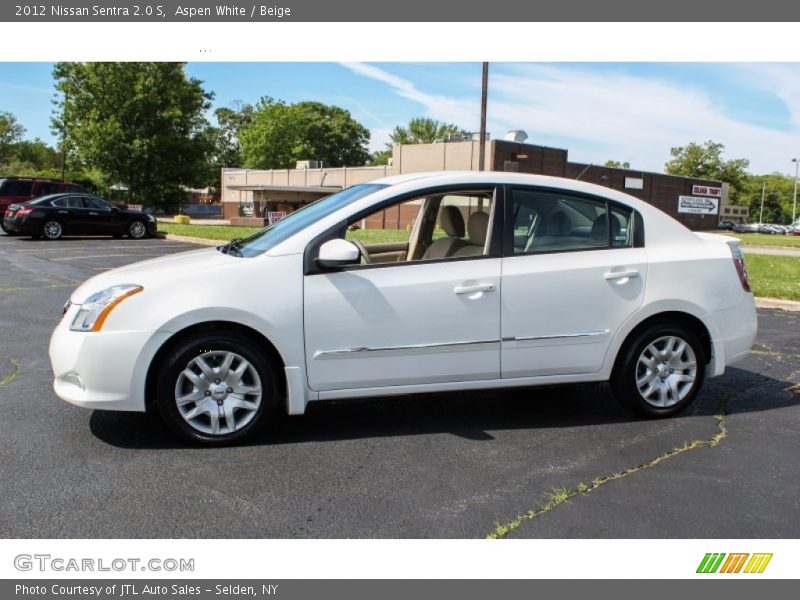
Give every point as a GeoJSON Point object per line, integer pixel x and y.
{"type": "Point", "coordinates": [516, 135]}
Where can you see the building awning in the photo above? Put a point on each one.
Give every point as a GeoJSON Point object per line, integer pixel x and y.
{"type": "Point", "coordinates": [328, 189]}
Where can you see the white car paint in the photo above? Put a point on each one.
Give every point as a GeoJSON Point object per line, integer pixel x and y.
{"type": "Point", "coordinates": [516, 321]}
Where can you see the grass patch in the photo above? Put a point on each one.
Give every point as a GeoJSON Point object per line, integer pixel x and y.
{"type": "Point", "coordinates": [224, 233]}
{"type": "Point", "coordinates": [762, 239]}
{"type": "Point", "coordinates": [13, 374]}
{"type": "Point", "coordinates": [774, 276]}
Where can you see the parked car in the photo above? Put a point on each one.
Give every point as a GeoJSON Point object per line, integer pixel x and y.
{"type": "Point", "coordinates": [726, 225]}
{"type": "Point", "coordinates": [17, 190]}
{"type": "Point", "coordinates": [769, 229]}
{"type": "Point", "coordinates": [595, 285]}
{"type": "Point", "coordinates": [75, 214]}
{"type": "Point", "coordinates": [746, 228]}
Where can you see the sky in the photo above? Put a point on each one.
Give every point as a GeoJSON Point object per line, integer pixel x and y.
{"type": "Point", "coordinates": [631, 112]}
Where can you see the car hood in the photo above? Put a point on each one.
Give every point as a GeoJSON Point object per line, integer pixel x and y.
{"type": "Point", "coordinates": [172, 269]}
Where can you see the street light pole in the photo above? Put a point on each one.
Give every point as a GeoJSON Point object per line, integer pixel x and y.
{"type": "Point", "coordinates": [794, 203]}
{"type": "Point", "coordinates": [761, 214]}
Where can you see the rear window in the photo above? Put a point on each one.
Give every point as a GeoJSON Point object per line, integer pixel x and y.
{"type": "Point", "coordinates": [16, 188]}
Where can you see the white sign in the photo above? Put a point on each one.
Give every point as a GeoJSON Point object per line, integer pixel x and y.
{"type": "Point", "coordinates": [134, 207]}
{"type": "Point", "coordinates": [274, 217]}
{"type": "Point", "coordinates": [697, 205]}
{"type": "Point", "coordinates": [634, 183]}
{"type": "Point", "coordinates": [704, 190]}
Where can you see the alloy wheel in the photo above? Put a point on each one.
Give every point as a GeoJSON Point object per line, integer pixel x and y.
{"type": "Point", "coordinates": [52, 230]}
{"type": "Point", "coordinates": [137, 230]}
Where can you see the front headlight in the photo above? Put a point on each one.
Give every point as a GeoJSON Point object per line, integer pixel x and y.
{"type": "Point", "coordinates": [93, 313]}
{"type": "Point", "coordinates": [151, 218]}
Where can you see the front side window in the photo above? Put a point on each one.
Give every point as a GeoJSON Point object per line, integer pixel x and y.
{"type": "Point", "coordinates": [97, 203]}
{"type": "Point", "coordinates": [433, 226]}
{"type": "Point", "coordinates": [547, 221]}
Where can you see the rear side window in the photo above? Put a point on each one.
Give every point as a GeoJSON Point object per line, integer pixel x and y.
{"type": "Point", "coordinates": [17, 188]}
{"type": "Point", "coordinates": [68, 202]}
{"type": "Point", "coordinates": [47, 188]}
{"type": "Point", "coordinates": [546, 221]}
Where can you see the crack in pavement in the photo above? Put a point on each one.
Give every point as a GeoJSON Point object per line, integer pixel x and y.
{"type": "Point", "coordinates": [561, 495]}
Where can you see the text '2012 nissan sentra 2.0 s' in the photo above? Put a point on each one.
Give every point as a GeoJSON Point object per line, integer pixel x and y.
{"type": "Point", "coordinates": [503, 280]}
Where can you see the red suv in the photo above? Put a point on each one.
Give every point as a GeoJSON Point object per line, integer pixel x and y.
{"type": "Point", "coordinates": [15, 190]}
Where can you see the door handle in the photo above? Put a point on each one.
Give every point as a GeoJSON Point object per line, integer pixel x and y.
{"type": "Point", "coordinates": [474, 289]}
{"type": "Point", "coordinates": [94, 214]}
{"type": "Point", "coordinates": [621, 275]}
{"type": "Point", "coordinates": [63, 212]}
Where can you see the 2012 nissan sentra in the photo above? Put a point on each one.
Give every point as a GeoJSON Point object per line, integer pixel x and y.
{"type": "Point", "coordinates": [500, 280]}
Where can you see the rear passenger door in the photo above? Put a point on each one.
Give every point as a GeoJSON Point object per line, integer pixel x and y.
{"type": "Point", "coordinates": [574, 269]}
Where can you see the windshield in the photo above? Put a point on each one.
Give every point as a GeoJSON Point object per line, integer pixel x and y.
{"type": "Point", "coordinates": [271, 236]}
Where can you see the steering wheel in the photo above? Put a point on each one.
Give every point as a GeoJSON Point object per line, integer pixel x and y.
{"type": "Point", "coordinates": [364, 252]}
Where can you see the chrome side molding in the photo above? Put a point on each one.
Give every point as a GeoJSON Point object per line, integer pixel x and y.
{"type": "Point", "coordinates": [558, 336]}
{"type": "Point", "coordinates": [410, 349]}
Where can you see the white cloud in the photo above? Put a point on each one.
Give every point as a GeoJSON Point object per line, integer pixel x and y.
{"type": "Point", "coordinates": [600, 115]}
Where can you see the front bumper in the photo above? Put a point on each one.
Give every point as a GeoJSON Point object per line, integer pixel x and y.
{"type": "Point", "coordinates": [103, 370]}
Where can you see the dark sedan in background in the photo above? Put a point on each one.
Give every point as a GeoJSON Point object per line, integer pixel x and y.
{"type": "Point", "coordinates": [57, 215]}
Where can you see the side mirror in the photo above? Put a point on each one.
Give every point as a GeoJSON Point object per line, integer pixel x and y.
{"type": "Point", "coordinates": [338, 253]}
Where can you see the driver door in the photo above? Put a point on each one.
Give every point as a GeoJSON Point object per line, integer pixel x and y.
{"type": "Point", "coordinates": [420, 320]}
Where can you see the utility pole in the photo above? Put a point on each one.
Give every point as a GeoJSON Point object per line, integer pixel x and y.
{"type": "Point", "coordinates": [482, 142]}
{"type": "Point", "coordinates": [761, 214]}
{"type": "Point", "coordinates": [64, 141]}
{"type": "Point", "coordinates": [794, 203]}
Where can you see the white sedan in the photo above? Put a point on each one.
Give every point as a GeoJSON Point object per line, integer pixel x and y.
{"type": "Point", "coordinates": [498, 280]}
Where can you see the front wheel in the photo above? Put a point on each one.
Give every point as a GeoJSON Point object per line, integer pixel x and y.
{"type": "Point", "coordinates": [660, 372]}
{"type": "Point", "coordinates": [216, 388]}
{"type": "Point", "coordinates": [137, 230]}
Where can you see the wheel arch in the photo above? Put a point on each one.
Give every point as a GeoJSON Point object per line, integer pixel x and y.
{"type": "Point", "coordinates": [254, 335]}
{"type": "Point", "coordinates": [677, 317]}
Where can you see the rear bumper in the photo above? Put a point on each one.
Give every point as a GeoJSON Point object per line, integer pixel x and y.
{"type": "Point", "coordinates": [736, 330]}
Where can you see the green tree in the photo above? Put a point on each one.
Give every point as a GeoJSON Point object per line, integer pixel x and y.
{"type": "Point", "coordinates": [37, 154]}
{"type": "Point", "coordinates": [11, 132]}
{"type": "Point", "coordinates": [279, 134]}
{"type": "Point", "coordinates": [778, 194]}
{"type": "Point", "coordinates": [617, 164]}
{"type": "Point", "coordinates": [141, 124]}
{"type": "Point", "coordinates": [230, 123]}
{"type": "Point", "coordinates": [422, 130]}
{"type": "Point", "coordinates": [706, 161]}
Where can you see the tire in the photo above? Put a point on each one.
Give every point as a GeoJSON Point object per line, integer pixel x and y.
{"type": "Point", "coordinates": [660, 371]}
{"type": "Point", "coordinates": [210, 412]}
{"type": "Point", "coordinates": [137, 230]}
{"type": "Point", "coordinates": [52, 230]}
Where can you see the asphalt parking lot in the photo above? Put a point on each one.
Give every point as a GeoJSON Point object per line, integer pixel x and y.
{"type": "Point", "coordinates": [545, 462]}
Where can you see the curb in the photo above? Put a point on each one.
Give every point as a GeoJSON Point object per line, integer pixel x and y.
{"type": "Point", "coordinates": [778, 303]}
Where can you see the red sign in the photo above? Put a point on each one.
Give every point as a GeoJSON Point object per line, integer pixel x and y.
{"type": "Point", "coordinates": [704, 190]}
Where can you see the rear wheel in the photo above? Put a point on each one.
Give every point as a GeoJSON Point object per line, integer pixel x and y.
{"type": "Point", "coordinates": [661, 371]}
{"type": "Point", "coordinates": [137, 230]}
{"type": "Point", "coordinates": [52, 229]}
{"type": "Point", "coordinates": [216, 388]}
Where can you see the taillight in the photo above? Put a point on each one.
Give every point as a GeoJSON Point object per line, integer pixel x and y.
{"type": "Point", "coordinates": [741, 268]}
{"type": "Point", "coordinates": [25, 210]}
